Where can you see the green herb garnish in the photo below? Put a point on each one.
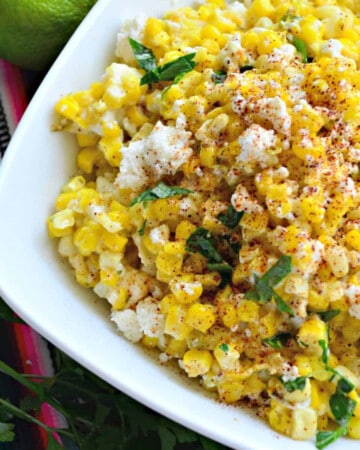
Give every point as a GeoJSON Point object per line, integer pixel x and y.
{"type": "Point", "coordinates": [246, 68]}
{"type": "Point", "coordinates": [173, 70]}
{"type": "Point", "coordinates": [144, 56]}
{"type": "Point", "coordinates": [159, 191]}
{"type": "Point", "coordinates": [328, 315]}
{"type": "Point", "coordinates": [293, 385]}
{"type": "Point", "coordinates": [340, 404]}
{"type": "Point", "coordinates": [263, 290]}
{"type": "Point", "coordinates": [219, 76]}
{"type": "Point", "coordinates": [219, 267]}
{"type": "Point", "coordinates": [301, 47]}
{"type": "Point", "coordinates": [231, 217]}
{"type": "Point", "coordinates": [278, 341]}
{"type": "Point", "coordinates": [224, 347]}
{"type": "Point", "coordinates": [203, 242]}
{"type": "Point", "coordinates": [142, 229]}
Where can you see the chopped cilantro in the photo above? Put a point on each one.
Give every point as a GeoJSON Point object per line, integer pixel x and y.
{"type": "Point", "coordinates": [231, 217]}
{"type": "Point", "coordinates": [328, 315]}
{"type": "Point", "coordinates": [159, 191]}
{"type": "Point", "coordinates": [246, 68]}
{"type": "Point", "coordinates": [263, 290]}
{"type": "Point", "coordinates": [203, 242]}
{"type": "Point", "coordinates": [278, 341]}
{"type": "Point", "coordinates": [301, 47]}
{"type": "Point", "coordinates": [224, 347]}
{"type": "Point", "coordinates": [293, 385]}
{"type": "Point", "coordinates": [219, 76]}
{"type": "Point", "coordinates": [142, 229]}
{"type": "Point", "coordinates": [171, 71]}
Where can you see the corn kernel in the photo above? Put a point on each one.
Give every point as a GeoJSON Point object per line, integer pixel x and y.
{"type": "Point", "coordinates": [197, 362]}
{"type": "Point", "coordinates": [201, 317]}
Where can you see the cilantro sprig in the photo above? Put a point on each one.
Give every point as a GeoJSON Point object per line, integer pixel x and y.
{"type": "Point", "coordinates": [341, 406]}
{"type": "Point", "coordinates": [98, 416]}
{"type": "Point", "coordinates": [301, 48]}
{"type": "Point", "coordinates": [160, 191]}
{"type": "Point", "coordinates": [231, 218]}
{"type": "Point", "coordinates": [278, 341]}
{"type": "Point", "coordinates": [171, 71]}
{"type": "Point", "coordinates": [263, 291]}
{"type": "Point", "coordinates": [293, 385]}
{"type": "Point", "coordinates": [218, 76]}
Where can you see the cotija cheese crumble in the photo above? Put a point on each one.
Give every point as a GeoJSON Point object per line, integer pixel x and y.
{"type": "Point", "coordinates": [216, 207]}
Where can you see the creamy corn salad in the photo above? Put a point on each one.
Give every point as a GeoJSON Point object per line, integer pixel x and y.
{"type": "Point", "coordinates": [216, 205]}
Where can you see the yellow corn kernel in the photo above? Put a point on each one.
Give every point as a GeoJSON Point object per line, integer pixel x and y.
{"type": "Point", "coordinates": [352, 239]}
{"type": "Point", "coordinates": [185, 291]}
{"type": "Point", "coordinates": [278, 201]}
{"type": "Point", "coordinates": [175, 324]}
{"type": "Point", "coordinates": [201, 317]}
{"type": "Point", "coordinates": [184, 230]}
{"type": "Point", "coordinates": [268, 40]}
{"type": "Point", "coordinates": [231, 391]}
{"type": "Point", "coordinates": [120, 300]}
{"type": "Point", "coordinates": [64, 199]}
{"type": "Point", "coordinates": [86, 239]}
{"type": "Point", "coordinates": [279, 417]}
{"type": "Point", "coordinates": [211, 32]}
{"type": "Point", "coordinates": [318, 302]}
{"type": "Point", "coordinates": [311, 332]}
{"type": "Point", "coordinates": [176, 348]}
{"type": "Point", "coordinates": [150, 342]}
{"type": "Point", "coordinates": [152, 28]}
{"type": "Point", "coordinates": [174, 248]}
{"type": "Point", "coordinates": [197, 362]}
{"type": "Point", "coordinates": [248, 311]}
{"type": "Point", "coordinates": [114, 242]}
{"type": "Point", "coordinates": [268, 325]}
{"type": "Point", "coordinates": [68, 107]}
{"type": "Point", "coordinates": [355, 396]}
{"type": "Point", "coordinates": [208, 156]}
{"type": "Point", "coordinates": [87, 197]}
{"type": "Point", "coordinates": [302, 362]}
{"type": "Point", "coordinates": [111, 147]}
{"type": "Point", "coordinates": [87, 157]}
{"type": "Point", "coordinates": [61, 223]}
{"type": "Point", "coordinates": [168, 265]}
{"type": "Point", "coordinates": [354, 427]}
{"type": "Point", "coordinates": [166, 302]}
{"type": "Point", "coordinates": [136, 116]}
{"type": "Point", "coordinates": [336, 259]}
{"type": "Point", "coordinates": [303, 423]}
{"type": "Point", "coordinates": [86, 140]}
{"type": "Point", "coordinates": [109, 277]}
{"type": "Point", "coordinates": [319, 397]}
{"type": "Point", "coordinates": [75, 184]}
{"type": "Point", "coordinates": [227, 356]}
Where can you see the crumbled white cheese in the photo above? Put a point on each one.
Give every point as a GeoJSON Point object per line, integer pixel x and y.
{"type": "Point", "coordinates": [242, 200]}
{"type": "Point", "coordinates": [116, 77]}
{"type": "Point", "coordinates": [281, 57]}
{"type": "Point", "coordinates": [289, 372]}
{"type": "Point", "coordinates": [332, 48]}
{"type": "Point", "coordinates": [147, 160]}
{"type": "Point", "coordinates": [274, 109]}
{"type": "Point", "coordinates": [354, 311]}
{"type": "Point", "coordinates": [128, 324]}
{"type": "Point", "coordinates": [150, 319]}
{"type": "Point", "coordinates": [131, 28]}
{"type": "Point", "coordinates": [232, 54]}
{"type": "Point", "coordinates": [159, 235]}
{"type": "Point", "coordinates": [253, 143]}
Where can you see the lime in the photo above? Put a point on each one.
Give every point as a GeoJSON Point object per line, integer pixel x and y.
{"type": "Point", "coordinates": [32, 32]}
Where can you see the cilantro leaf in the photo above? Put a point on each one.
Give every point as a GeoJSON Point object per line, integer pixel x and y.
{"type": "Point", "coordinates": [278, 341]}
{"type": "Point", "coordinates": [202, 241]}
{"type": "Point", "coordinates": [328, 315]}
{"type": "Point", "coordinates": [231, 217]}
{"type": "Point", "coordinates": [293, 385]}
{"type": "Point", "coordinates": [219, 76]}
{"type": "Point", "coordinates": [159, 191]}
{"type": "Point", "coordinates": [6, 432]}
{"type": "Point", "coordinates": [345, 385]}
{"type": "Point", "coordinates": [143, 55]}
{"type": "Point", "coordinates": [301, 47]}
{"type": "Point", "coordinates": [325, 351]}
{"type": "Point", "coordinates": [278, 271]}
{"type": "Point", "coordinates": [281, 305]}
{"type": "Point", "coordinates": [173, 69]}
{"type": "Point", "coordinates": [263, 290]}
{"type": "Point", "coordinates": [325, 438]}
{"type": "Point", "coordinates": [224, 347]}
{"type": "Point", "coordinates": [341, 406]}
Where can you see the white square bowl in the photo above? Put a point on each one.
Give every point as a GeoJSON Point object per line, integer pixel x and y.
{"type": "Point", "coordinates": [40, 287]}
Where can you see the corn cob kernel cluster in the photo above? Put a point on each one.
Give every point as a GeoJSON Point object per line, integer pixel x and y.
{"type": "Point", "coordinates": [266, 128]}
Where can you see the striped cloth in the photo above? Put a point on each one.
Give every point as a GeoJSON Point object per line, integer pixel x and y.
{"type": "Point", "coordinates": [20, 346]}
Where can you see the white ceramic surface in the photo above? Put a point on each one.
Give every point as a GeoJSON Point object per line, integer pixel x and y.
{"type": "Point", "coordinates": [40, 288]}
